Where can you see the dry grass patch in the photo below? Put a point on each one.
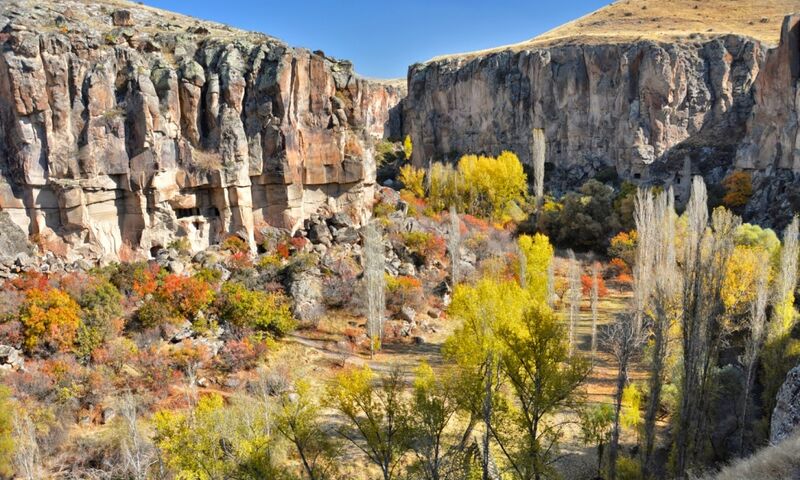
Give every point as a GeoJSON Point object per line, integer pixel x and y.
{"type": "Point", "coordinates": [659, 20]}
{"type": "Point", "coordinates": [778, 462]}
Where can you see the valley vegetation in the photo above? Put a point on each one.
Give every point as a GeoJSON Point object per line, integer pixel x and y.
{"type": "Point", "coordinates": [216, 366]}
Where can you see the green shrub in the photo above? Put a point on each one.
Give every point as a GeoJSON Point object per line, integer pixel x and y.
{"type": "Point", "coordinates": [628, 469]}
{"type": "Point", "coordinates": [265, 312]}
{"type": "Point", "coordinates": [583, 220]}
{"type": "Point", "coordinates": [181, 244]}
{"type": "Point", "coordinates": [101, 308]}
{"type": "Point", "coordinates": [382, 210]}
{"type": "Point", "coordinates": [385, 152]}
{"type": "Point", "coordinates": [426, 246]}
{"type": "Point", "coordinates": [235, 244]}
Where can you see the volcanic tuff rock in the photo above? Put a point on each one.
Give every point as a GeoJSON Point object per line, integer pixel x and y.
{"type": "Point", "coordinates": [651, 112]}
{"type": "Point", "coordinates": [123, 126]}
{"type": "Point", "coordinates": [771, 147]}
{"type": "Point", "coordinates": [786, 417]}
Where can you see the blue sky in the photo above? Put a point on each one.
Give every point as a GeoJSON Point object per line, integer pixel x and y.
{"type": "Point", "coordinates": [383, 38]}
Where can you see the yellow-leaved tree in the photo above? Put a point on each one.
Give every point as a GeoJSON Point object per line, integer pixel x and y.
{"type": "Point", "coordinates": [408, 147]}
{"type": "Point", "coordinates": [781, 351]}
{"type": "Point", "coordinates": [215, 441]}
{"type": "Point", "coordinates": [493, 187]}
{"type": "Point", "coordinates": [413, 180]}
{"type": "Point", "coordinates": [445, 188]}
{"type": "Point", "coordinates": [49, 318]}
{"type": "Point", "coordinates": [538, 254]}
{"type": "Point", "coordinates": [544, 378]}
{"type": "Point", "coordinates": [741, 274]}
{"type": "Point", "coordinates": [475, 347]}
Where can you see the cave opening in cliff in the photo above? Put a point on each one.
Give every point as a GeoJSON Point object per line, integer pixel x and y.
{"type": "Point", "coordinates": [187, 212]}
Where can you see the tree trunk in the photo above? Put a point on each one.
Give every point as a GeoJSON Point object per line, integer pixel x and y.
{"type": "Point", "coordinates": [613, 452]}
{"type": "Point", "coordinates": [487, 415]}
{"type": "Point", "coordinates": [654, 399]}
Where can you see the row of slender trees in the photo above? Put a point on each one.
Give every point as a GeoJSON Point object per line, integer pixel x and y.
{"type": "Point", "coordinates": [679, 312]}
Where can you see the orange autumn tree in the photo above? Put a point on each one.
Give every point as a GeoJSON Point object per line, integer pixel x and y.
{"type": "Point", "coordinates": [172, 298]}
{"type": "Point", "coordinates": [50, 318]}
{"type": "Point", "coordinates": [586, 286]}
{"type": "Point", "coordinates": [738, 190]}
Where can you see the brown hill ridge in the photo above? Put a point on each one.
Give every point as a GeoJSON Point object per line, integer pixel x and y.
{"type": "Point", "coordinates": [626, 21]}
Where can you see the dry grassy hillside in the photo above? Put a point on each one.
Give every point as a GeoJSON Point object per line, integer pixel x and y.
{"type": "Point", "coordinates": [667, 20]}
{"type": "Point", "coordinates": [778, 462]}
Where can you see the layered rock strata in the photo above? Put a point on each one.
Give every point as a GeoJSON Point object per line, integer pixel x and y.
{"type": "Point", "coordinates": [122, 129]}
{"type": "Point", "coordinates": [771, 147]}
{"type": "Point", "coordinates": [645, 111]}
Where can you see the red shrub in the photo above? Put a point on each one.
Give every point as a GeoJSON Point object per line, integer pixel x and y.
{"type": "Point", "coordinates": [11, 333]}
{"type": "Point", "coordinates": [404, 291]}
{"type": "Point", "coordinates": [146, 281]}
{"type": "Point", "coordinates": [235, 244]}
{"type": "Point", "coordinates": [625, 279]}
{"type": "Point", "coordinates": [154, 372]}
{"type": "Point", "coordinates": [586, 283]}
{"type": "Point", "coordinates": [30, 280]}
{"type": "Point", "coordinates": [240, 354]}
{"type": "Point", "coordinates": [617, 266]}
{"type": "Point", "coordinates": [282, 250]}
{"type": "Point", "coordinates": [240, 261]}
{"type": "Point", "coordinates": [476, 223]}
{"type": "Point", "coordinates": [187, 295]}
{"type": "Point", "coordinates": [298, 243]}
{"type": "Point", "coordinates": [172, 298]}
{"type": "Point", "coordinates": [115, 353]}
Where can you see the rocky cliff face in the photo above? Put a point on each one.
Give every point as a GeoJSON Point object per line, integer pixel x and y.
{"type": "Point", "coordinates": [771, 147]}
{"type": "Point", "coordinates": [786, 417]}
{"type": "Point", "coordinates": [123, 127]}
{"type": "Point", "coordinates": [652, 112]}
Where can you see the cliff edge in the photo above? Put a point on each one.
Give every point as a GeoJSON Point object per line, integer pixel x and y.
{"type": "Point", "coordinates": [123, 127]}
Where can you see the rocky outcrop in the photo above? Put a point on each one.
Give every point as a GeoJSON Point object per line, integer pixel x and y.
{"type": "Point", "coordinates": [121, 130]}
{"type": "Point", "coordinates": [771, 147]}
{"type": "Point", "coordinates": [773, 131]}
{"type": "Point", "coordinates": [786, 416]}
{"type": "Point", "coordinates": [624, 107]}
{"type": "Point", "coordinates": [11, 359]}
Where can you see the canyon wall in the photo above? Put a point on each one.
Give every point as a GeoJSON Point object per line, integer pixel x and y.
{"type": "Point", "coordinates": [771, 146]}
{"type": "Point", "coordinates": [123, 129]}
{"type": "Point", "coordinates": [648, 112]}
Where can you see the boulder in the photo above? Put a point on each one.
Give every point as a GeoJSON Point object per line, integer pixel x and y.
{"type": "Point", "coordinates": [11, 358]}
{"type": "Point", "coordinates": [346, 235]}
{"type": "Point", "coordinates": [305, 288]}
{"type": "Point", "coordinates": [407, 313]}
{"type": "Point", "coordinates": [786, 416]}
{"type": "Point", "coordinates": [122, 18]}
{"type": "Point", "coordinates": [319, 233]}
{"type": "Point", "coordinates": [14, 243]}
{"type": "Point", "coordinates": [108, 415]}
{"type": "Point", "coordinates": [406, 328]}
{"type": "Point", "coordinates": [340, 220]}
